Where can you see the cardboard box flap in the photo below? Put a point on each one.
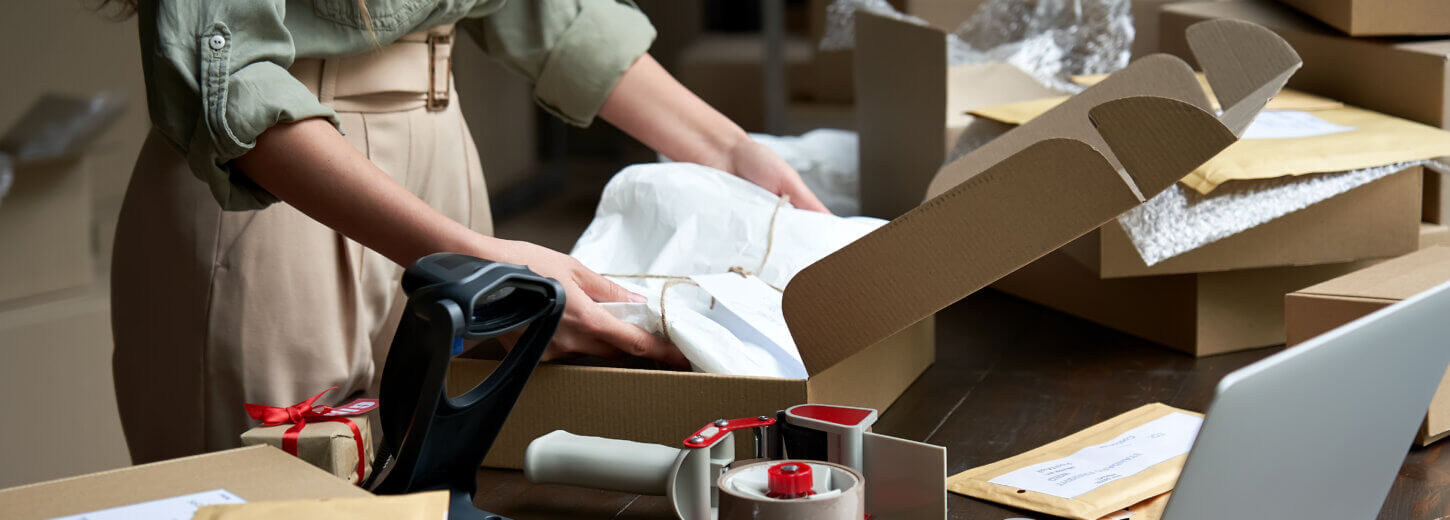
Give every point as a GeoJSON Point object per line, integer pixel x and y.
{"type": "Point", "coordinates": [1023, 195]}
{"type": "Point", "coordinates": [1391, 281]}
{"type": "Point", "coordinates": [949, 247]}
{"type": "Point", "coordinates": [1246, 65]}
{"type": "Point", "coordinates": [1158, 75]}
{"type": "Point", "coordinates": [1261, 59]}
{"type": "Point", "coordinates": [1137, 129]}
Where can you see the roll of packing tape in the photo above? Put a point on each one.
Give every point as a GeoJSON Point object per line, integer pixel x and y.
{"type": "Point", "coordinates": [836, 492]}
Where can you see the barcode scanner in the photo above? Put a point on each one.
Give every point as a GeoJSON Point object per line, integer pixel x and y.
{"type": "Point", "coordinates": [432, 441]}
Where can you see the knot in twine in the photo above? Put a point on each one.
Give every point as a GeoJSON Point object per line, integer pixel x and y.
{"type": "Point", "coordinates": [673, 280]}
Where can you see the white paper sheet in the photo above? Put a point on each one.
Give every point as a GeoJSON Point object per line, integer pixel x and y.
{"type": "Point", "coordinates": [1289, 124]}
{"type": "Point", "coordinates": [175, 508]}
{"type": "Point", "coordinates": [1092, 467]}
{"type": "Point", "coordinates": [757, 307]}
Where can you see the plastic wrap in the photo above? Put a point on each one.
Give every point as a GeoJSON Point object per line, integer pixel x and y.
{"type": "Point", "coordinates": [1052, 40]}
{"type": "Point", "coordinates": [1179, 220]}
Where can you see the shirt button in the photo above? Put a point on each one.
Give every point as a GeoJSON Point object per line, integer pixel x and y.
{"type": "Point", "coordinates": [217, 42]}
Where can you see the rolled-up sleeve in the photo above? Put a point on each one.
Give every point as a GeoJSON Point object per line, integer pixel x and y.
{"type": "Point", "coordinates": [574, 51]}
{"type": "Point", "coordinates": [216, 78]}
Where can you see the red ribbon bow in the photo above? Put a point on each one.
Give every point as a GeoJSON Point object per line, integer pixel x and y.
{"type": "Point", "coordinates": [298, 415]}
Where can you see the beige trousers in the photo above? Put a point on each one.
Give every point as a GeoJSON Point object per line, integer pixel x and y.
{"type": "Point", "coordinates": [212, 309]}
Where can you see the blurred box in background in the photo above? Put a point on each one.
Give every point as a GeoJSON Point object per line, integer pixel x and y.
{"type": "Point", "coordinates": [1380, 17]}
{"type": "Point", "coordinates": [106, 57]}
{"type": "Point", "coordinates": [45, 229]}
{"type": "Point", "coordinates": [499, 107]}
{"type": "Point", "coordinates": [913, 107]}
{"type": "Point", "coordinates": [727, 71]}
{"type": "Point", "coordinates": [60, 405]}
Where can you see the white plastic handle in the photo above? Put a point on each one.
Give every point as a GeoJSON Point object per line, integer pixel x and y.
{"type": "Point", "coordinates": [561, 457]}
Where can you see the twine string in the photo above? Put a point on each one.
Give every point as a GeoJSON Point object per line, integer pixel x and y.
{"type": "Point", "coordinates": [673, 280]}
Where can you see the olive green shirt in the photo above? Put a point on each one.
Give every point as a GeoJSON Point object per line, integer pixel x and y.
{"type": "Point", "coordinates": [216, 70]}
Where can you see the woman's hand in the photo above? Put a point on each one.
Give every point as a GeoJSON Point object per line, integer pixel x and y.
{"type": "Point", "coordinates": [652, 106]}
{"type": "Point", "coordinates": [587, 329]}
{"type": "Point", "coordinates": [756, 163]}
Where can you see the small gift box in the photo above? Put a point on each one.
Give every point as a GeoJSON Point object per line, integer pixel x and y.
{"type": "Point", "coordinates": [338, 440]}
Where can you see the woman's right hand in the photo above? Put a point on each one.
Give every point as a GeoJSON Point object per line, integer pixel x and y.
{"type": "Point", "coordinates": [587, 329]}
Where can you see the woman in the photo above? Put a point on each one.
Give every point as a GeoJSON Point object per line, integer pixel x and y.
{"type": "Point", "coordinates": [342, 110]}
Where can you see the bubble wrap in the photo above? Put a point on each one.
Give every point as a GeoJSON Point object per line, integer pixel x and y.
{"type": "Point", "coordinates": [1052, 40]}
{"type": "Point", "coordinates": [1180, 220]}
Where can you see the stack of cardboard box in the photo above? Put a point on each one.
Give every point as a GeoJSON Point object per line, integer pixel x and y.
{"type": "Point", "coordinates": [1390, 56]}
{"type": "Point", "coordinates": [1219, 298]}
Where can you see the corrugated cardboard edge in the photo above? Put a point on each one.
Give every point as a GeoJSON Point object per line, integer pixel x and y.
{"type": "Point", "coordinates": [975, 482]}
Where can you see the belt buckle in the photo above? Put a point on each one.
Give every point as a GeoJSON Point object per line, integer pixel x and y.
{"type": "Point", "coordinates": [438, 92]}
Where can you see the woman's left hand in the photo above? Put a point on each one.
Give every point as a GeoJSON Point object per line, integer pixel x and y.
{"type": "Point", "coordinates": [756, 163]}
{"type": "Point", "coordinates": [650, 105]}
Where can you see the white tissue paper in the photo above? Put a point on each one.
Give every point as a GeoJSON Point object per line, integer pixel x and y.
{"type": "Point", "coordinates": [682, 220]}
{"type": "Point", "coordinates": [829, 163]}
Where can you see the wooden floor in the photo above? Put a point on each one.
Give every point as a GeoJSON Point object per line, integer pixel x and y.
{"type": "Point", "coordinates": [1010, 376]}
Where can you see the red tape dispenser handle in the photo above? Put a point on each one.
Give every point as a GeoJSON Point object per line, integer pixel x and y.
{"type": "Point", "coordinates": [716, 431]}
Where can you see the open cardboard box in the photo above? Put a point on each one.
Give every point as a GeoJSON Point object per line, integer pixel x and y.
{"type": "Point", "coordinates": [1380, 17]}
{"type": "Point", "coordinates": [912, 107]}
{"type": "Point", "coordinates": [1402, 77]}
{"type": "Point", "coordinates": [1315, 310]}
{"type": "Point", "coordinates": [1378, 220]}
{"type": "Point", "coordinates": [860, 316]}
{"type": "Point", "coordinates": [253, 474]}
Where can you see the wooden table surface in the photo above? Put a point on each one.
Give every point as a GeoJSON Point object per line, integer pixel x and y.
{"type": "Point", "coordinates": [1010, 376]}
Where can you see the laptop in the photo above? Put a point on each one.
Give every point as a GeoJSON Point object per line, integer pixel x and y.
{"type": "Point", "coordinates": [1319, 431]}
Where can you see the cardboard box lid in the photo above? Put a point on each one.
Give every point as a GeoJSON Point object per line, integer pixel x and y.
{"type": "Point", "coordinates": [1393, 280]}
{"type": "Point", "coordinates": [255, 473]}
{"type": "Point", "coordinates": [1037, 188]}
{"type": "Point", "coordinates": [1283, 18]}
